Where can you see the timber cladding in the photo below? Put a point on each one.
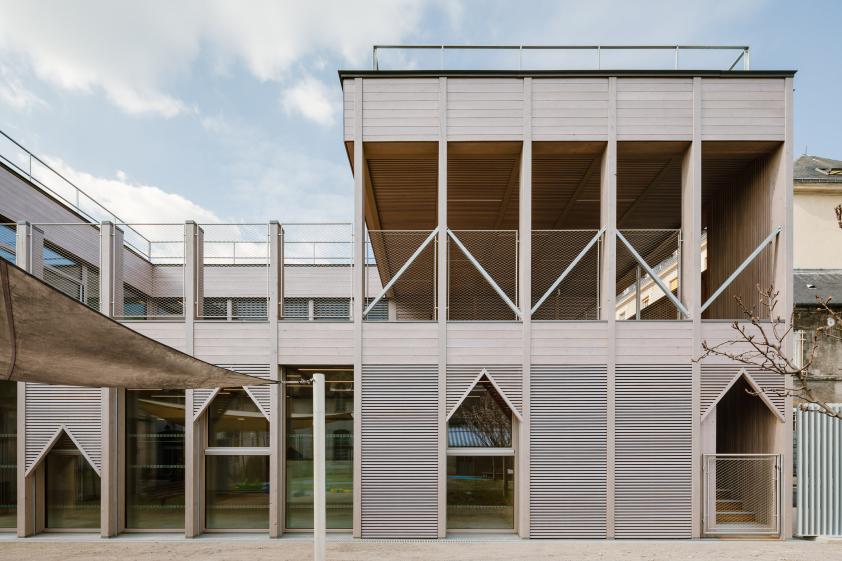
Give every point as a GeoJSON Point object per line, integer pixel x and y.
{"type": "Point", "coordinates": [399, 458]}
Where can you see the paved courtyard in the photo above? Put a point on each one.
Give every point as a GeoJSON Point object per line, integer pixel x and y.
{"type": "Point", "coordinates": [148, 548]}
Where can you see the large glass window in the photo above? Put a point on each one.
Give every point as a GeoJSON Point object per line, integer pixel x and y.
{"type": "Point", "coordinates": [155, 459]}
{"type": "Point", "coordinates": [480, 463]}
{"type": "Point", "coordinates": [339, 453]}
{"type": "Point", "coordinates": [480, 492]}
{"type": "Point", "coordinates": [236, 463]}
{"type": "Point", "coordinates": [72, 488]}
{"type": "Point", "coordinates": [8, 453]}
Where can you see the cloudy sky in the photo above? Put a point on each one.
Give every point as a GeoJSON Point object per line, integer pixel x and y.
{"type": "Point", "coordinates": [223, 110]}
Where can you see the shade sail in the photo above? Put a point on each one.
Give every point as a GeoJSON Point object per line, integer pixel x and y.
{"type": "Point", "coordinates": [48, 337]}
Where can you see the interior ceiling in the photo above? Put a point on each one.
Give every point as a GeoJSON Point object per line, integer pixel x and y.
{"type": "Point", "coordinates": [566, 185]}
{"type": "Point", "coordinates": [649, 184]}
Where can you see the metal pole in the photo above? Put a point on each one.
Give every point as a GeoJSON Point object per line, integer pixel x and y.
{"type": "Point", "coordinates": [637, 293]}
{"type": "Point", "coordinates": [319, 507]}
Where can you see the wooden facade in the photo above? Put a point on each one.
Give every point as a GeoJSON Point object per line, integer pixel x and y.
{"type": "Point", "coordinates": [704, 154]}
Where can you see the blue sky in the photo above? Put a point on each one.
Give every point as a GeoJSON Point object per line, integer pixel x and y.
{"type": "Point", "coordinates": [230, 111]}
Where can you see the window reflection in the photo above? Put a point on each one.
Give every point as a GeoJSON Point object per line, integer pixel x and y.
{"type": "Point", "coordinates": [480, 492]}
{"type": "Point", "coordinates": [8, 453]}
{"type": "Point", "coordinates": [237, 494]}
{"type": "Point", "coordinates": [72, 488]}
{"type": "Point", "coordinates": [339, 452]}
{"type": "Point", "coordinates": [235, 420]}
{"type": "Point", "coordinates": [155, 459]}
{"type": "Point", "coordinates": [483, 420]}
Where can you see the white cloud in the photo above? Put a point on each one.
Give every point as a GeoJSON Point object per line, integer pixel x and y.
{"type": "Point", "coordinates": [312, 99]}
{"type": "Point", "coordinates": [14, 94]}
{"type": "Point", "coordinates": [132, 52]}
{"type": "Point", "coordinates": [135, 202]}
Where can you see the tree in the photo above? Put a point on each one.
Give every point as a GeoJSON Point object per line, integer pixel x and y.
{"type": "Point", "coordinates": [767, 345]}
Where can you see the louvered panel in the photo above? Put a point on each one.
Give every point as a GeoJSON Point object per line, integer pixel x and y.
{"type": "Point", "coordinates": [200, 400]}
{"type": "Point", "coordinates": [818, 471]}
{"type": "Point", "coordinates": [399, 451]}
{"type": "Point", "coordinates": [715, 377]}
{"type": "Point", "coordinates": [653, 452]}
{"type": "Point", "coordinates": [78, 410]}
{"type": "Point", "coordinates": [568, 448]}
{"type": "Point", "coordinates": [509, 378]}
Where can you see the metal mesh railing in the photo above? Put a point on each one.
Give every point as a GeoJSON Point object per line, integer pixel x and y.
{"type": "Point", "coordinates": [742, 494]}
{"type": "Point", "coordinates": [577, 296]}
{"type": "Point", "coordinates": [638, 295]}
{"type": "Point", "coordinates": [235, 261]}
{"type": "Point", "coordinates": [153, 281]}
{"type": "Point", "coordinates": [8, 242]}
{"type": "Point", "coordinates": [412, 295]}
{"type": "Point", "coordinates": [71, 257]}
{"type": "Point", "coordinates": [470, 296]}
{"type": "Point", "coordinates": [318, 280]}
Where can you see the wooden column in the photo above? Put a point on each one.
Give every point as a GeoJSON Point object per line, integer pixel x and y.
{"type": "Point", "coordinates": [358, 298]}
{"type": "Point", "coordinates": [607, 286]}
{"type": "Point", "coordinates": [194, 490]}
{"type": "Point", "coordinates": [276, 397]}
{"type": "Point", "coordinates": [29, 256]}
{"type": "Point", "coordinates": [525, 301]}
{"type": "Point", "coordinates": [110, 295]}
{"type": "Point", "coordinates": [691, 293]}
{"type": "Point", "coordinates": [441, 313]}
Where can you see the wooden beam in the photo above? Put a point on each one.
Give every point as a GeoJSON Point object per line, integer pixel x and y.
{"type": "Point", "coordinates": [595, 165]}
{"type": "Point", "coordinates": [656, 181]}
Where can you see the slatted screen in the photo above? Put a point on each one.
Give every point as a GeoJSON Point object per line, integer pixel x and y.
{"type": "Point", "coordinates": [653, 451]}
{"type": "Point", "coordinates": [260, 394]}
{"type": "Point", "coordinates": [399, 451]}
{"type": "Point", "coordinates": [509, 378]}
{"type": "Point", "coordinates": [568, 452]}
{"type": "Point", "coordinates": [715, 378]}
{"type": "Point", "coordinates": [78, 410]}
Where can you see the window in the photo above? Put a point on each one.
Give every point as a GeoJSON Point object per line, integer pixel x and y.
{"type": "Point", "coordinates": [380, 311]}
{"type": "Point", "coordinates": [135, 303]}
{"type": "Point", "coordinates": [8, 239]}
{"type": "Point", "coordinates": [8, 454]}
{"type": "Point", "coordinates": [72, 488]}
{"type": "Point", "coordinates": [331, 309]}
{"type": "Point", "coordinates": [644, 302]}
{"type": "Point", "coordinates": [254, 309]}
{"type": "Point", "coordinates": [155, 459]}
{"type": "Point", "coordinates": [480, 463]}
{"type": "Point", "coordinates": [296, 308]}
{"type": "Point", "coordinates": [339, 453]}
{"type": "Point", "coordinates": [236, 463]}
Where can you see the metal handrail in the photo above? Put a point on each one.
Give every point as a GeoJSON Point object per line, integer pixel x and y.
{"type": "Point", "coordinates": [79, 192]}
{"type": "Point", "coordinates": [743, 50]}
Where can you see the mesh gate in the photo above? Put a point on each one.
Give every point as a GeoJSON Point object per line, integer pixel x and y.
{"type": "Point", "coordinates": [742, 494]}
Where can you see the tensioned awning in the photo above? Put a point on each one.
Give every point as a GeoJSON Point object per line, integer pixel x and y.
{"type": "Point", "coordinates": [50, 338]}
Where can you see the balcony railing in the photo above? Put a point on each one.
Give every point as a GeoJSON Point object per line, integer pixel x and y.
{"type": "Point", "coordinates": [555, 57]}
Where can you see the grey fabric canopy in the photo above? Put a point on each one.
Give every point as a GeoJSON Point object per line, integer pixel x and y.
{"type": "Point", "coordinates": [48, 337]}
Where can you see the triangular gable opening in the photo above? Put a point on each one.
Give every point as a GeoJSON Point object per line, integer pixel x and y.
{"type": "Point", "coordinates": [753, 386]}
{"type": "Point", "coordinates": [482, 418]}
{"type": "Point", "coordinates": [63, 439]}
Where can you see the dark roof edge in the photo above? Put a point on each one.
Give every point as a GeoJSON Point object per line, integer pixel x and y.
{"type": "Point", "coordinates": [565, 73]}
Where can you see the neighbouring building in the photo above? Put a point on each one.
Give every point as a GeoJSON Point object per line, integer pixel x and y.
{"type": "Point", "coordinates": [818, 263]}
{"type": "Point", "coordinates": [481, 372]}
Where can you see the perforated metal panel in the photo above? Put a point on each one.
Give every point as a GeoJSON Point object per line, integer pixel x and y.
{"type": "Point", "coordinates": [509, 378]}
{"type": "Point", "coordinates": [653, 451]}
{"type": "Point", "coordinates": [78, 410]}
{"type": "Point", "coordinates": [716, 377]}
{"type": "Point", "coordinates": [399, 451]}
{"type": "Point", "coordinates": [568, 450]}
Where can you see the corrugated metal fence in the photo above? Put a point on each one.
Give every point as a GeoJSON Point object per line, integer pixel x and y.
{"type": "Point", "coordinates": [818, 471]}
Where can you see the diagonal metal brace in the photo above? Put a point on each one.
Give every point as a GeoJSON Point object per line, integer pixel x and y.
{"type": "Point", "coordinates": [567, 271]}
{"type": "Point", "coordinates": [653, 275]}
{"type": "Point", "coordinates": [401, 271]}
{"type": "Point", "coordinates": [741, 268]}
{"type": "Point", "coordinates": [484, 274]}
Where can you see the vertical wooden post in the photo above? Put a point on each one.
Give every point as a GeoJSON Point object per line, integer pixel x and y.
{"type": "Point", "coordinates": [193, 435]}
{"type": "Point", "coordinates": [525, 301]}
{"type": "Point", "coordinates": [276, 401]}
{"type": "Point", "coordinates": [29, 256]}
{"type": "Point", "coordinates": [319, 505]}
{"type": "Point", "coordinates": [691, 292]}
{"type": "Point", "coordinates": [110, 278]}
{"type": "Point", "coordinates": [358, 299]}
{"type": "Point", "coordinates": [608, 290]}
{"type": "Point", "coordinates": [441, 313]}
